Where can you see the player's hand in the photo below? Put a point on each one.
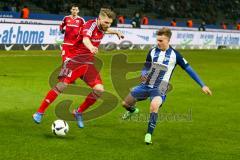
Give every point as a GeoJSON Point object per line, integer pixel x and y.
{"type": "Point", "coordinates": [120, 35]}
{"type": "Point", "coordinates": [143, 78]}
{"type": "Point", "coordinates": [206, 90]}
{"type": "Point", "coordinates": [93, 50]}
{"type": "Point", "coordinates": [63, 31]}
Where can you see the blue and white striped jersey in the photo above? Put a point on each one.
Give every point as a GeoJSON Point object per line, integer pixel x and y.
{"type": "Point", "coordinates": [160, 65]}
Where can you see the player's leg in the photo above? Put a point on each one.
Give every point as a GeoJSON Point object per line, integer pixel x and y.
{"type": "Point", "coordinates": [93, 79]}
{"type": "Point", "coordinates": [89, 101]}
{"type": "Point", "coordinates": [50, 97]}
{"type": "Point", "coordinates": [52, 94]}
{"type": "Point", "coordinates": [129, 104]}
{"type": "Point", "coordinates": [155, 104]}
{"type": "Point", "coordinates": [69, 73]}
{"type": "Point", "coordinates": [138, 93]}
{"type": "Point", "coordinates": [91, 98]}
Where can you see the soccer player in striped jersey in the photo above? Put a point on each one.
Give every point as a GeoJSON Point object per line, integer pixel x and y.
{"type": "Point", "coordinates": [159, 66]}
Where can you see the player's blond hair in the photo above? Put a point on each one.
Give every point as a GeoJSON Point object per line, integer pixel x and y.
{"type": "Point", "coordinates": [107, 13]}
{"type": "Point", "coordinates": [165, 31]}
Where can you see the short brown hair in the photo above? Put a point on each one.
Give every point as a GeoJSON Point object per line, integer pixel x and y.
{"type": "Point", "coordinates": [74, 5]}
{"type": "Point", "coordinates": [107, 12]}
{"type": "Point", "coordinates": [165, 31]}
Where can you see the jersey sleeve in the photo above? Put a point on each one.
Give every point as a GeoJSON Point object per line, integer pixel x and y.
{"type": "Point", "coordinates": [81, 26]}
{"type": "Point", "coordinates": [147, 64]}
{"type": "Point", "coordinates": [181, 61]}
{"type": "Point", "coordinates": [88, 28]}
{"type": "Point", "coordinates": [82, 20]}
{"type": "Point", "coordinates": [63, 24]}
{"type": "Point", "coordinates": [184, 64]}
{"type": "Point", "coordinates": [194, 76]}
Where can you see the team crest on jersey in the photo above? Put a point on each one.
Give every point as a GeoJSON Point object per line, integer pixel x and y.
{"type": "Point", "coordinates": [77, 21]}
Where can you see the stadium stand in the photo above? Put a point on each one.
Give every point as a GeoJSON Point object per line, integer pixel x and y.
{"type": "Point", "coordinates": [159, 12]}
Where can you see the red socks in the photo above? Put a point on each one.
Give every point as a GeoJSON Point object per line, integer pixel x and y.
{"type": "Point", "coordinates": [51, 96]}
{"type": "Point", "coordinates": [90, 100]}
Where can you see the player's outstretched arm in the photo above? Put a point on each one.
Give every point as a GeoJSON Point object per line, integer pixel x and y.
{"type": "Point", "coordinates": [119, 34]}
{"type": "Point", "coordinates": [196, 78]}
{"type": "Point", "coordinates": [88, 44]}
{"type": "Point", "coordinates": [184, 64]}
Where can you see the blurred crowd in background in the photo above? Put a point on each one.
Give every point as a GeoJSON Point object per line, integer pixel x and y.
{"type": "Point", "coordinates": [208, 11]}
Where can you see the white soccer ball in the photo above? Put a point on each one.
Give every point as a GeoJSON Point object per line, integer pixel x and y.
{"type": "Point", "coordinates": [60, 127]}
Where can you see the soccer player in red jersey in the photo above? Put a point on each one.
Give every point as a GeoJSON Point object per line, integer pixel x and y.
{"type": "Point", "coordinates": [81, 64]}
{"type": "Point", "coordinates": [70, 27]}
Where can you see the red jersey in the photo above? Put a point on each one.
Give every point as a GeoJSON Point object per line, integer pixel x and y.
{"type": "Point", "coordinates": [72, 28]}
{"type": "Point", "coordinates": [91, 30]}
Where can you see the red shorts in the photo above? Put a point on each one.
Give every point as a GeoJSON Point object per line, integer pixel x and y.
{"type": "Point", "coordinates": [71, 70]}
{"type": "Point", "coordinates": [65, 51]}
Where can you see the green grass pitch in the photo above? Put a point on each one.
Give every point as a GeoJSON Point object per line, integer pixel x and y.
{"type": "Point", "coordinates": [211, 133]}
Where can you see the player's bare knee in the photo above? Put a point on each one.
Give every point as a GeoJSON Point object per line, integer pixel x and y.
{"type": "Point", "coordinates": [124, 104]}
{"type": "Point", "coordinates": [98, 92]}
{"type": "Point", "coordinates": [60, 87]}
{"type": "Point", "coordinates": [129, 101]}
{"type": "Point", "coordinates": [154, 108]}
